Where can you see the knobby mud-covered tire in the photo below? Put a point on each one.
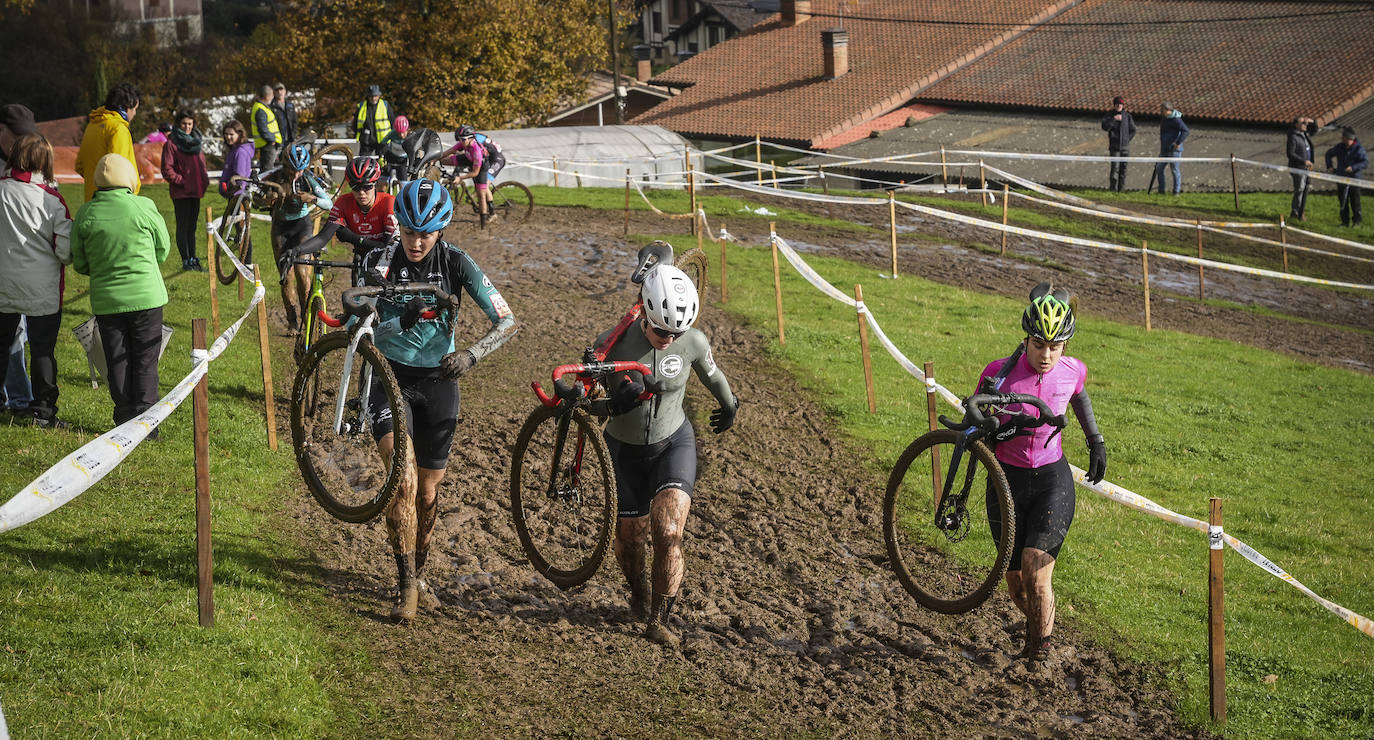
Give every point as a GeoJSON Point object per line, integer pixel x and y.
{"type": "Point", "coordinates": [312, 403]}
{"type": "Point", "coordinates": [565, 536]}
{"type": "Point", "coordinates": [945, 576]}
{"type": "Point", "coordinates": [512, 201]}
{"type": "Point", "coordinates": [693, 262]}
{"type": "Point", "coordinates": [236, 229]}
{"type": "Point", "coordinates": [330, 164]}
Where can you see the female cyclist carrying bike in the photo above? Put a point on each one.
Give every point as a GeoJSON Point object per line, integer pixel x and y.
{"type": "Point", "coordinates": [652, 445]}
{"type": "Point", "coordinates": [1033, 459]}
{"type": "Point", "coordinates": [363, 210]}
{"type": "Point", "coordinates": [426, 365]}
{"type": "Point", "coordinates": [291, 225]}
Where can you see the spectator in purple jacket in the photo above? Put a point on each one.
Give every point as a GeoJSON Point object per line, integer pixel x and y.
{"type": "Point", "coordinates": [183, 167]}
{"type": "Point", "coordinates": [238, 157]}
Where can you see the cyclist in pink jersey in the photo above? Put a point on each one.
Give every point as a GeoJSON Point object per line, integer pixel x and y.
{"type": "Point", "coordinates": [1033, 459]}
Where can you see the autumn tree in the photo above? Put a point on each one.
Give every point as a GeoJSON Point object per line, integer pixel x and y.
{"type": "Point", "coordinates": [489, 63]}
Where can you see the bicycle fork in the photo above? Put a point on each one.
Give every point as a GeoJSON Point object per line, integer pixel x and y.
{"type": "Point", "coordinates": [574, 470]}
{"type": "Point", "coordinates": [950, 511]}
{"type": "Point", "coordinates": [346, 377]}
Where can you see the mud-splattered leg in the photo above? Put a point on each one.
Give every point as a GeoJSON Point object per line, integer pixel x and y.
{"type": "Point", "coordinates": [667, 519]}
{"type": "Point", "coordinates": [1037, 567]}
{"type": "Point", "coordinates": [631, 553]}
{"type": "Point", "coordinates": [401, 534]}
{"type": "Point", "coordinates": [426, 508]}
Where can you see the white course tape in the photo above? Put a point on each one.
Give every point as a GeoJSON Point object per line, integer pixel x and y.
{"type": "Point", "coordinates": [4, 730]}
{"type": "Point", "coordinates": [85, 467]}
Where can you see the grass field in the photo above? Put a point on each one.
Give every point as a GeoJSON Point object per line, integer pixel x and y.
{"type": "Point", "coordinates": [98, 631]}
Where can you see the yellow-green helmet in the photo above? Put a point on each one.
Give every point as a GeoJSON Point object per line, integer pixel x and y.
{"type": "Point", "coordinates": [1049, 315]}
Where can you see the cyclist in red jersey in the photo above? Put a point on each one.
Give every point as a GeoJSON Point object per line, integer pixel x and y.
{"type": "Point", "coordinates": [364, 211]}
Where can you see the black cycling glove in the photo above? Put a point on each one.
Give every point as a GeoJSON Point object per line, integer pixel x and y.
{"type": "Point", "coordinates": [724, 417]}
{"type": "Point", "coordinates": [456, 363]}
{"type": "Point", "coordinates": [411, 316]}
{"type": "Point", "coordinates": [1097, 459]}
{"type": "Point", "coordinates": [284, 264]}
{"type": "Point", "coordinates": [625, 395]}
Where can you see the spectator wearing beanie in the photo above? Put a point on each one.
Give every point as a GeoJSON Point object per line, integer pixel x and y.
{"type": "Point", "coordinates": [1120, 128]}
{"type": "Point", "coordinates": [1348, 159]}
{"type": "Point", "coordinates": [15, 121]}
{"type": "Point", "coordinates": [119, 239]}
{"type": "Point", "coordinates": [183, 167]}
{"type": "Point", "coordinates": [1172, 133]}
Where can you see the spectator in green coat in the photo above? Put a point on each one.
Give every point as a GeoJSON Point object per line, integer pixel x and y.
{"type": "Point", "coordinates": [120, 240]}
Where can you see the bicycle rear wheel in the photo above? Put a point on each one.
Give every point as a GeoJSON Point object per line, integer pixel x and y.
{"type": "Point", "coordinates": [950, 570]}
{"type": "Point", "coordinates": [693, 262]}
{"type": "Point", "coordinates": [512, 201]}
{"type": "Point", "coordinates": [562, 495]}
{"type": "Point", "coordinates": [332, 433]}
{"type": "Point", "coordinates": [330, 164]}
{"type": "Point", "coordinates": [235, 228]}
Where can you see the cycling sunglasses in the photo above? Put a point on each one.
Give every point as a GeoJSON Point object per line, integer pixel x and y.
{"type": "Point", "coordinates": [664, 333]}
{"type": "Point", "coordinates": [364, 186]}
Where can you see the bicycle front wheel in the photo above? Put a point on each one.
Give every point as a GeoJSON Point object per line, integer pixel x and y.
{"type": "Point", "coordinates": [512, 201]}
{"type": "Point", "coordinates": [562, 491]}
{"type": "Point", "coordinates": [330, 164]}
{"type": "Point", "coordinates": [954, 567]}
{"type": "Point", "coordinates": [693, 262]}
{"type": "Point", "coordinates": [235, 228]}
{"type": "Point", "coordinates": [331, 430]}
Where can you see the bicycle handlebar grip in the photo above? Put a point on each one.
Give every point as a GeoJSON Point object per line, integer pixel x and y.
{"type": "Point", "coordinates": [567, 391]}
{"type": "Point", "coordinates": [329, 320]}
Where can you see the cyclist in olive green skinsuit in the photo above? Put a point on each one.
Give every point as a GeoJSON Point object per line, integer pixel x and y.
{"type": "Point", "coordinates": [652, 443]}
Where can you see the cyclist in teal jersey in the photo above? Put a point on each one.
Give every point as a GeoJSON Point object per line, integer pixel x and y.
{"type": "Point", "coordinates": [652, 444]}
{"type": "Point", "coordinates": [427, 366]}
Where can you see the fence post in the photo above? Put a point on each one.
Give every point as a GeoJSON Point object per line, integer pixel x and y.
{"type": "Point", "coordinates": [758, 161]}
{"type": "Point", "coordinates": [1216, 625]}
{"type": "Point", "coordinates": [1006, 189]}
{"type": "Point", "coordinates": [774, 166]}
{"type": "Point", "coordinates": [692, 195]}
{"type": "Point", "coordinates": [825, 184]}
{"type": "Point", "coordinates": [1145, 273]}
{"type": "Point", "coordinates": [214, 279]}
{"type": "Point", "coordinates": [777, 280]}
{"type": "Point", "coordinates": [936, 486]}
{"type": "Point", "coordinates": [1283, 240]}
{"type": "Point", "coordinates": [627, 201]}
{"type": "Point", "coordinates": [267, 391]}
{"type": "Point", "coordinates": [983, 182]}
{"type": "Point", "coordinates": [205, 586]}
{"type": "Point", "coordinates": [892, 228]}
{"type": "Point", "coordinates": [724, 291]}
{"type": "Point", "coordinates": [699, 215]}
{"type": "Point", "coordinates": [1201, 291]}
{"type": "Point", "coordinates": [860, 309]}
{"type": "Point", "coordinates": [944, 168]}
{"type": "Point", "coordinates": [1235, 184]}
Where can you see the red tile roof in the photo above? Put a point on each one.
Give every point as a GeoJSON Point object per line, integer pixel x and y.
{"type": "Point", "coordinates": [769, 81]}
{"type": "Point", "coordinates": [1318, 60]}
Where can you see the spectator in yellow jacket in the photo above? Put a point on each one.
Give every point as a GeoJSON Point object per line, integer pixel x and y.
{"type": "Point", "coordinates": [108, 133]}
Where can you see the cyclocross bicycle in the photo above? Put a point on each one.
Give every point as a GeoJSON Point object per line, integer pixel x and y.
{"type": "Point", "coordinates": [331, 430]}
{"type": "Point", "coordinates": [510, 201]}
{"type": "Point", "coordinates": [562, 492]}
{"type": "Point", "coordinates": [235, 231]}
{"type": "Point", "coordinates": [942, 545]}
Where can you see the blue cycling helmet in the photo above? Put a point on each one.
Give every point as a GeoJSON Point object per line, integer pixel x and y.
{"type": "Point", "coordinates": [298, 156]}
{"type": "Point", "coordinates": [423, 206]}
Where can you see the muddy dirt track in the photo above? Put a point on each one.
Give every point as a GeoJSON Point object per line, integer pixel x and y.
{"type": "Point", "coordinates": [791, 621]}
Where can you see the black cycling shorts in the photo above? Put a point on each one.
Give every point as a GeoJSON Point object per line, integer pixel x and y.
{"type": "Point", "coordinates": [431, 404]}
{"type": "Point", "coordinates": [490, 167]}
{"type": "Point", "coordinates": [289, 235]}
{"type": "Point", "coordinates": [641, 471]}
{"type": "Point", "coordinates": [1043, 502]}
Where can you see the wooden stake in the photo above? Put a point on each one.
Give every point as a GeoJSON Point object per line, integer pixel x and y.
{"type": "Point", "coordinates": [758, 161]}
{"type": "Point", "coordinates": [555, 170]}
{"type": "Point", "coordinates": [863, 348]}
{"type": "Point", "coordinates": [777, 280]}
{"type": "Point", "coordinates": [1145, 272]}
{"type": "Point", "coordinates": [1216, 625]}
{"type": "Point", "coordinates": [892, 229]}
{"type": "Point", "coordinates": [268, 394]}
{"type": "Point", "coordinates": [724, 291]}
{"type": "Point", "coordinates": [627, 201]}
{"type": "Point", "coordinates": [210, 269]}
{"type": "Point", "coordinates": [983, 182]}
{"type": "Point", "coordinates": [200, 401]}
{"type": "Point", "coordinates": [692, 195]}
{"type": "Point", "coordinates": [774, 166]}
{"type": "Point", "coordinates": [1006, 188]}
{"type": "Point", "coordinates": [1283, 240]}
{"type": "Point", "coordinates": [944, 168]}
{"type": "Point", "coordinates": [1201, 291]}
{"type": "Point", "coordinates": [1235, 184]}
{"type": "Point", "coordinates": [698, 215]}
{"type": "Point", "coordinates": [936, 474]}
{"type": "Point", "coordinates": [825, 184]}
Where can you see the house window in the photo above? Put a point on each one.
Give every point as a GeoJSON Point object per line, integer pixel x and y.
{"type": "Point", "coordinates": [678, 13]}
{"type": "Point", "coordinates": [658, 23]}
{"type": "Point", "coordinates": [714, 35]}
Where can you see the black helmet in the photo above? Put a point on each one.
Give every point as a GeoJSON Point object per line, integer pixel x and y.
{"type": "Point", "coordinates": [1049, 315]}
{"type": "Point", "coordinates": [464, 132]}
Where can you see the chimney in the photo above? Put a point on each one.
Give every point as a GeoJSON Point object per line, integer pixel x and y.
{"type": "Point", "coordinates": [836, 44]}
{"type": "Point", "coordinates": [795, 12]}
{"type": "Point", "coordinates": [643, 68]}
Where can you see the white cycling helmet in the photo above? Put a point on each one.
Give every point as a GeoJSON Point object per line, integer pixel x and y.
{"type": "Point", "coordinates": [670, 299]}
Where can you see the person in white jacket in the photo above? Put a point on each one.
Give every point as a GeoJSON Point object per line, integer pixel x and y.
{"type": "Point", "coordinates": [35, 232]}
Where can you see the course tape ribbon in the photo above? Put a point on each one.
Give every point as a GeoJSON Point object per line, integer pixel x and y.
{"type": "Point", "coordinates": [1103, 488]}
{"type": "Point", "coordinates": [85, 467]}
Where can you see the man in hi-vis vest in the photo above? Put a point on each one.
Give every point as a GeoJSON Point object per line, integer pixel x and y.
{"type": "Point", "coordinates": [266, 129]}
{"type": "Point", "coordinates": [372, 123]}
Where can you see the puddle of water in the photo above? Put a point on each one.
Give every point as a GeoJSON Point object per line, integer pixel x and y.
{"type": "Point", "coordinates": [1072, 718]}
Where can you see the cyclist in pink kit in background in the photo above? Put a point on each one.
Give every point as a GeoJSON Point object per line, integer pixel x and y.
{"type": "Point", "coordinates": [1033, 459]}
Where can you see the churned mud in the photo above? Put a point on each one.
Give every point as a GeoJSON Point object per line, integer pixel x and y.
{"type": "Point", "coordinates": [792, 623]}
